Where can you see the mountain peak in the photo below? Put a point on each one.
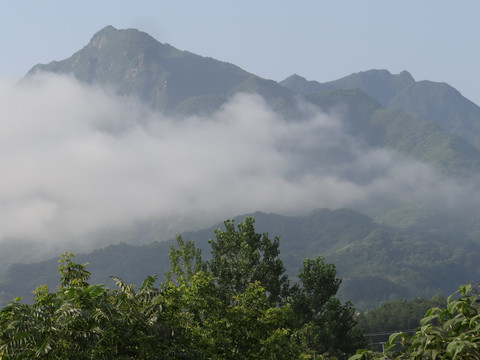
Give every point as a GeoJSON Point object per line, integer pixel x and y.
{"type": "Point", "coordinates": [99, 39]}
{"type": "Point", "coordinates": [295, 77]}
{"type": "Point", "coordinates": [126, 36]}
{"type": "Point", "coordinates": [300, 85]}
{"type": "Point", "coordinates": [405, 75]}
{"type": "Point", "coordinates": [106, 30]}
{"type": "Point", "coordinates": [381, 76]}
{"type": "Point", "coordinates": [137, 64]}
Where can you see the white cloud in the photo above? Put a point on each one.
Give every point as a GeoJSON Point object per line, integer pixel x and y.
{"type": "Point", "coordinates": [76, 159]}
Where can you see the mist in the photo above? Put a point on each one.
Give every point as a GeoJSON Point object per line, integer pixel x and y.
{"type": "Point", "coordinates": [77, 159]}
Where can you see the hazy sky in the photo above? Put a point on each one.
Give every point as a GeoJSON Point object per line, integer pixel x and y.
{"type": "Point", "coordinates": [320, 40]}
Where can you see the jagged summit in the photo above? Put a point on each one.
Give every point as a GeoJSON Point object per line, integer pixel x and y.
{"type": "Point", "coordinates": [111, 34]}
{"type": "Point", "coordinates": [164, 77]}
{"type": "Point", "coordinates": [109, 52]}
{"type": "Point", "coordinates": [295, 77]}
{"type": "Point", "coordinates": [406, 75]}
{"type": "Point", "coordinates": [102, 35]}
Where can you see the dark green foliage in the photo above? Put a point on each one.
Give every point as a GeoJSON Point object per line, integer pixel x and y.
{"type": "Point", "coordinates": [399, 315]}
{"type": "Point", "coordinates": [241, 257]}
{"type": "Point", "coordinates": [377, 263]}
{"type": "Point", "coordinates": [370, 290]}
{"type": "Point", "coordinates": [321, 314]}
{"type": "Point", "coordinates": [447, 332]}
{"type": "Point", "coordinates": [319, 283]}
{"type": "Point", "coordinates": [419, 265]}
{"type": "Point", "coordinates": [194, 314]}
{"type": "Point", "coordinates": [83, 321]}
{"type": "Point", "coordinates": [185, 262]}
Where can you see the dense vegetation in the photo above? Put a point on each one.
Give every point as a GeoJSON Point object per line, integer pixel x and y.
{"type": "Point", "coordinates": [450, 332]}
{"type": "Point", "coordinates": [376, 263]}
{"type": "Point", "coordinates": [396, 129]}
{"type": "Point", "coordinates": [395, 316]}
{"type": "Point", "coordinates": [237, 305]}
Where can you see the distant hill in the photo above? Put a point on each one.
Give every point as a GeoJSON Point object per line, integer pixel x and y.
{"type": "Point", "coordinates": [376, 263]}
{"type": "Point", "coordinates": [426, 100]}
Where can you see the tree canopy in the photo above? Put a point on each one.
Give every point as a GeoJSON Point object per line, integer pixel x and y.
{"type": "Point", "coordinates": [237, 305]}
{"type": "Point", "coordinates": [449, 332]}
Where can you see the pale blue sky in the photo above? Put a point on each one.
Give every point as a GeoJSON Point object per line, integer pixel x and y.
{"type": "Point", "coordinates": [320, 40]}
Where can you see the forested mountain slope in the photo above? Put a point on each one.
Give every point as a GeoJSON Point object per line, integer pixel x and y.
{"type": "Point", "coordinates": [376, 263]}
{"type": "Point", "coordinates": [426, 100]}
{"type": "Point", "coordinates": [396, 129]}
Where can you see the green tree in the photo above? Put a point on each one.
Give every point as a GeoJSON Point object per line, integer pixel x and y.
{"type": "Point", "coordinates": [185, 261]}
{"type": "Point", "coordinates": [326, 325]}
{"type": "Point", "coordinates": [395, 316]}
{"type": "Point", "coordinates": [218, 309]}
{"type": "Point", "coordinates": [241, 257]}
{"type": "Point", "coordinates": [254, 329]}
{"type": "Point", "coordinates": [247, 327]}
{"type": "Point", "coordinates": [83, 321]}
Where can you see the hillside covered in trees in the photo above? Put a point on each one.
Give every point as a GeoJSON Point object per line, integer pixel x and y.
{"type": "Point", "coordinates": [237, 305]}
{"type": "Point", "coordinates": [377, 263]}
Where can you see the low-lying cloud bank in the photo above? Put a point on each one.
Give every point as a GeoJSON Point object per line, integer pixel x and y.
{"type": "Point", "coordinates": [76, 159]}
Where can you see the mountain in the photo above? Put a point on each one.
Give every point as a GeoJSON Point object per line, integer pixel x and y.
{"type": "Point", "coordinates": [381, 85]}
{"type": "Point", "coordinates": [396, 129]}
{"type": "Point", "coordinates": [181, 83]}
{"type": "Point", "coordinates": [415, 249]}
{"type": "Point", "coordinates": [426, 100]}
{"type": "Point", "coordinates": [167, 79]}
{"type": "Point", "coordinates": [377, 263]}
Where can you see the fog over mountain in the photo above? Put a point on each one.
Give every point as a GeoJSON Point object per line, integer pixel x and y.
{"type": "Point", "coordinates": [79, 159]}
